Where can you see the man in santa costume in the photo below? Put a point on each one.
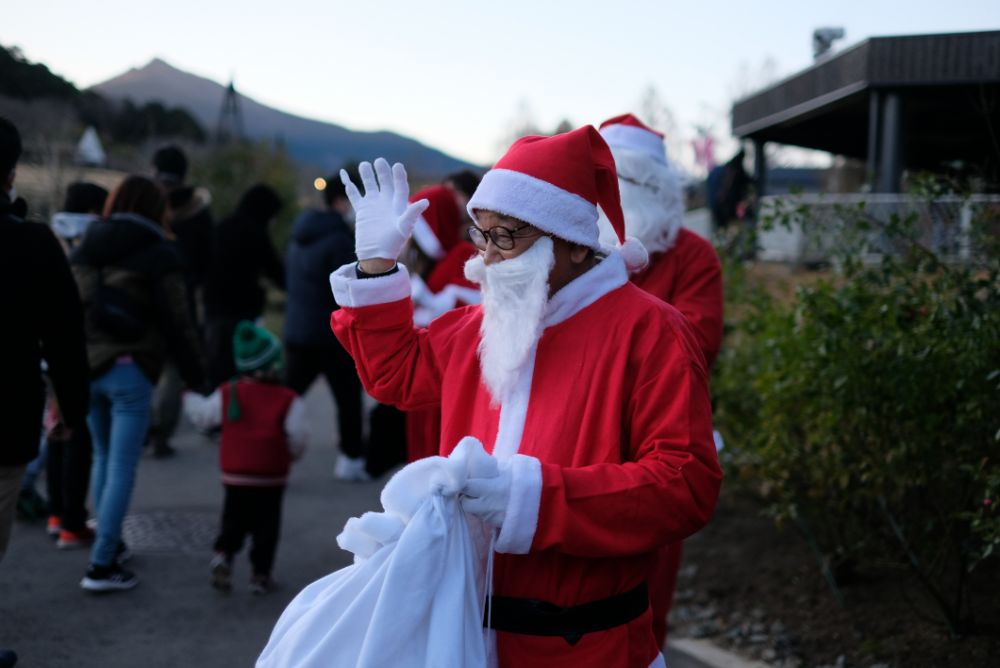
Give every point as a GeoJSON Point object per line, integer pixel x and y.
{"type": "Point", "coordinates": [683, 271]}
{"type": "Point", "coordinates": [592, 395]}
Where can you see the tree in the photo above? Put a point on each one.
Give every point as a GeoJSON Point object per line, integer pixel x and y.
{"type": "Point", "coordinates": [657, 115]}
{"type": "Point", "coordinates": [227, 171]}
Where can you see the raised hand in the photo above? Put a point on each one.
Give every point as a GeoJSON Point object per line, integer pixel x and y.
{"type": "Point", "coordinates": [384, 216]}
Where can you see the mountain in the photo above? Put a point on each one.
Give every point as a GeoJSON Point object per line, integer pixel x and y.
{"type": "Point", "coordinates": [324, 145]}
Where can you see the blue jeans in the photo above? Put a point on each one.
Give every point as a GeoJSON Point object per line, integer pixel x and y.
{"type": "Point", "coordinates": [118, 420]}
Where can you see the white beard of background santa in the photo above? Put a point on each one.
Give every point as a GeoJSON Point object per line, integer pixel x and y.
{"type": "Point", "coordinates": [515, 292]}
{"type": "Point", "coordinates": [652, 201]}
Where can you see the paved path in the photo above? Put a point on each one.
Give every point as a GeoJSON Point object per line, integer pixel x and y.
{"type": "Point", "coordinates": [173, 618]}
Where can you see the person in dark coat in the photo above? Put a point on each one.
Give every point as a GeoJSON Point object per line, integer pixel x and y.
{"type": "Point", "coordinates": [131, 280]}
{"type": "Point", "coordinates": [243, 253]}
{"type": "Point", "coordinates": [68, 459]}
{"type": "Point", "coordinates": [321, 242]}
{"type": "Point", "coordinates": [191, 223]}
{"type": "Point", "coordinates": [43, 319]}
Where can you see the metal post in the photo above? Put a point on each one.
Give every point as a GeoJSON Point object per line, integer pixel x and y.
{"type": "Point", "coordinates": [760, 167]}
{"type": "Point", "coordinates": [871, 169]}
{"type": "Point", "coordinates": [891, 149]}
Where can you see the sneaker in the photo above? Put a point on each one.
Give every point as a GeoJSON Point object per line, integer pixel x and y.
{"type": "Point", "coordinates": [31, 505]}
{"type": "Point", "coordinates": [8, 658]}
{"type": "Point", "coordinates": [261, 584]}
{"type": "Point", "coordinates": [122, 554]}
{"type": "Point", "coordinates": [53, 526]}
{"type": "Point", "coordinates": [108, 578]}
{"type": "Point", "coordinates": [222, 571]}
{"type": "Point", "coordinates": [162, 449]}
{"type": "Point", "coordinates": [351, 469]}
{"type": "Point", "coordinates": [69, 540]}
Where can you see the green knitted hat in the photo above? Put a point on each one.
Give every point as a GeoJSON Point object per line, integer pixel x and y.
{"type": "Point", "coordinates": [255, 348]}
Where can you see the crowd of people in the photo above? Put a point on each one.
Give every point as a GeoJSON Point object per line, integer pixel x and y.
{"type": "Point", "coordinates": [554, 308]}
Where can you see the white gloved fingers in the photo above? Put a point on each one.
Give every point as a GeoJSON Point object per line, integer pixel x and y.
{"type": "Point", "coordinates": [477, 507]}
{"type": "Point", "coordinates": [352, 190]}
{"type": "Point", "coordinates": [401, 188]}
{"type": "Point", "coordinates": [487, 509]}
{"type": "Point", "coordinates": [385, 180]}
{"type": "Point", "coordinates": [368, 178]}
{"type": "Point", "coordinates": [409, 218]}
{"type": "Point", "coordinates": [477, 488]}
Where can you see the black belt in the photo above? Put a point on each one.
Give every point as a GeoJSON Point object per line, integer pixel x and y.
{"type": "Point", "coordinates": [532, 617]}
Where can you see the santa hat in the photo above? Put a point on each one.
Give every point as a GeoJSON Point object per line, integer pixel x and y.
{"type": "Point", "coordinates": [627, 131]}
{"type": "Point", "coordinates": [436, 231]}
{"type": "Point", "coordinates": [556, 184]}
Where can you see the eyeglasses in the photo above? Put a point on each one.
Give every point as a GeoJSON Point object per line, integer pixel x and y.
{"type": "Point", "coordinates": [641, 184]}
{"type": "Point", "coordinates": [502, 238]}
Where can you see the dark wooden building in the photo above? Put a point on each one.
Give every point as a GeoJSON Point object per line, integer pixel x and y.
{"type": "Point", "coordinates": [912, 102]}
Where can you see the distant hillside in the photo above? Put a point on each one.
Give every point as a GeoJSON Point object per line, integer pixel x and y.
{"type": "Point", "coordinates": [39, 101]}
{"type": "Point", "coordinates": [24, 80]}
{"type": "Point", "coordinates": [324, 145]}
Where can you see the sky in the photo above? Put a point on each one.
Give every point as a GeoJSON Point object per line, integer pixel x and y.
{"type": "Point", "coordinates": [458, 75]}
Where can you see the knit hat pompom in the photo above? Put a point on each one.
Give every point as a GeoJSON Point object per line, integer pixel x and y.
{"type": "Point", "coordinates": [634, 254]}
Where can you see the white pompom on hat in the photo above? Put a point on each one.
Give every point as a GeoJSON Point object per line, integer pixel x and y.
{"type": "Point", "coordinates": [556, 184]}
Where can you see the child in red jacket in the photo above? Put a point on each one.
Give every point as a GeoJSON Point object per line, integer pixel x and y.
{"type": "Point", "coordinates": [264, 427]}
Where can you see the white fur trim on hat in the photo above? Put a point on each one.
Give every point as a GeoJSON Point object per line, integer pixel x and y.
{"type": "Point", "coordinates": [426, 240]}
{"type": "Point", "coordinates": [636, 139]}
{"type": "Point", "coordinates": [546, 206]}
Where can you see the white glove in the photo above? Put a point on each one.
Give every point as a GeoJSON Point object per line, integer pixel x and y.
{"type": "Point", "coordinates": [385, 219]}
{"type": "Point", "coordinates": [487, 498]}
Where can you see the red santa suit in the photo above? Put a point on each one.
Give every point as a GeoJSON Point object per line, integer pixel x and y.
{"type": "Point", "coordinates": [686, 274]}
{"type": "Point", "coordinates": [689, 278]}
{"type": "Point", "coordinates": [608, 433]}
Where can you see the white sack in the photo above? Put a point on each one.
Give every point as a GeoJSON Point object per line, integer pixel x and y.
{"type": "Point", "coordinates": [413, 597]}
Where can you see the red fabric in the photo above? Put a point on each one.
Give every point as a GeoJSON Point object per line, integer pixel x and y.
{"type": "Point", "coordinates": [629, 119]}
{"type": "Point", "coordinates": [256, 444]}
{"type": "Point", "coordinates": [423, 433]}
{"type": "Point", "coordinates": [689, 278]}
{"type": "Point", "coordinates": [451, 269]}
{"type": "Point", "coordinates": [584, 167]}
{"type": "Point", "coordinates": [662, 584]}
{"type": "Point", "coordinates": [443, 215]}
{"type": "Point", "coordinates": [619, 417]}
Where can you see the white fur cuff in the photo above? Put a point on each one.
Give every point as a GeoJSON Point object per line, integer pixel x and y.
{"type": "Point", "coordinates": [354, 292]}
{"type": "Point", "coordinates": [521, 520]}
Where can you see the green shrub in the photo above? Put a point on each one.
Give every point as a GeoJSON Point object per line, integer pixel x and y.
{"type": "Point", "coordinates": [867, 411]}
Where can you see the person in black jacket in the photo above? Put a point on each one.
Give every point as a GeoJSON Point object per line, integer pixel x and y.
{"type": "Point", "coordinates": [243, 253]}
{"type": "Point", "coordinates": [131, 280]}
{"type": "Point", "coordinates": [321, 242]}
{"type": "Point", "coordinates": [42, 320]}
{"type": "Point", "coordinates": [191, 223]}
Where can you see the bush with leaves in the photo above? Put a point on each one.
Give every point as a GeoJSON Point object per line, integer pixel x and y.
{"type": "Point", "coordinates": [867, 411]}
{"type": "Point", "coordinates": [229, 170]}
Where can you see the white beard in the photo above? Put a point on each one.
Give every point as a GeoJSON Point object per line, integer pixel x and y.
{"type": "Point", "coordinates": [654, 211]}
{"type": "Point", "coordinates": [515, 293]}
